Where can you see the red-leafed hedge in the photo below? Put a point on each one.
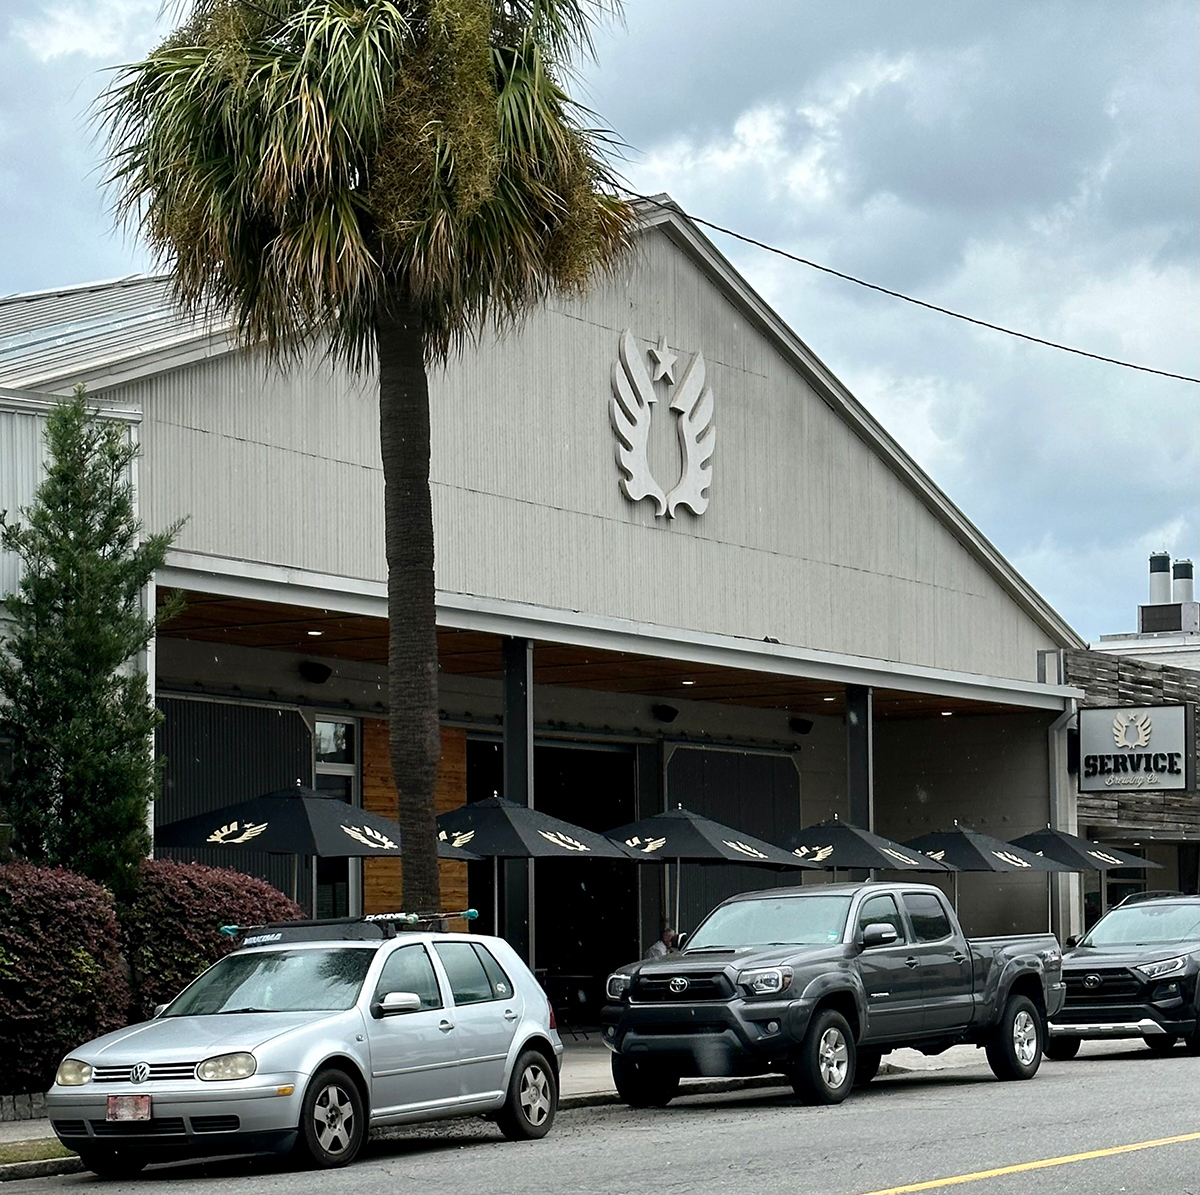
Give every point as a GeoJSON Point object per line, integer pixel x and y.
{"type": "Point", "coordinates": [62, 981]}
{"type": "Point", "coordinates": [170, 924]}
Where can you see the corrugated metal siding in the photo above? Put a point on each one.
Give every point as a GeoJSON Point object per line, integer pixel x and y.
{"type": "Point", "coordinates": [22, 454]}
{"type": "Point", "coordinates": [219, 753]}
{"type": "Point", "coordinates": [756, 793]}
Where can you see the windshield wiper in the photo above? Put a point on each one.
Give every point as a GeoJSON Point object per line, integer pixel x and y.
{"type": "Point", "coordinates": [709, 949]}
{"type": "Point", "coordinates": [224, 1012]}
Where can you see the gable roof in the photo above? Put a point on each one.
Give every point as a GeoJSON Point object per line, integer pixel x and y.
{"type": "Point", "coordinates": [107, 333]}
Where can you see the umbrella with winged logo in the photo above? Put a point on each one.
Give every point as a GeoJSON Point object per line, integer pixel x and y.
{"type": "Point", "coordinates": [679, 834]}
{"type": "Point", "coordinates": [503, 829]}
{"type": "Point", "coordinates": [834, 844]}
{"type": "Point", "coordinates": [1078, 853]}
{"type": "Point", "coordinates": [294, 821]}
{"type": "Point", "coordinates": [972, 850]}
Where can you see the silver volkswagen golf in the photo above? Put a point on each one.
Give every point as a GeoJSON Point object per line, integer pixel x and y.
{"type": "Point", "coordinates": [306, 1037]}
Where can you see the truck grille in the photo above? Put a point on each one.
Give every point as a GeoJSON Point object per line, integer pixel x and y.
{"type": "Point", "coordinates": [1115, 985]}
{"type": "Point", "coordinates": [159, 1071]}
{"type": "Point", "coordinates": [657, 989]}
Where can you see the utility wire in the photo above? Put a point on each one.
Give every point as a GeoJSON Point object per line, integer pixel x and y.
{"type": "Point", "coordinates": [895, 294]}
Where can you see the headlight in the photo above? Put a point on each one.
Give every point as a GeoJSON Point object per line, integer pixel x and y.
{"type": "Point", "coordinates": [766, 981]}
{"type": "Point", "coordinates": [227, 1066]}
{"type": "Point", "coordinates": [73, 1073]}
{"type": "Point", "coordinates": [618, 985]}
{"type": "Point", "coordinates": [1168, 966]}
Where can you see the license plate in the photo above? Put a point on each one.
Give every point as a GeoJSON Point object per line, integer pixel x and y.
{"type": "Point", "coordinates": [128, 1107]}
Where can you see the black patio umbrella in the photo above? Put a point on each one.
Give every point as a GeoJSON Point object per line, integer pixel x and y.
{"type": "Point", "coordinates": [679, 834]}
{"type": "Point", "coordinates": [294, 821]}
{"type": "Point", "coordinates": [834, 844]}
{"type": "Point", "coordinates": [505, 829]}
{"type": "Point", "coordinates": [972, 850]}
{"type": "Point", "coordinates": [1077, 852]}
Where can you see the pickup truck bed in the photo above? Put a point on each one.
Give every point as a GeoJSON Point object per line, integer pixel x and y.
{"type": "Point", "coordinates": [819, 983]}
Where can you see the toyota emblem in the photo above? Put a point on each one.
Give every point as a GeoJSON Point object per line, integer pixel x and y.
{"type": "Point", "coordinates": [1091, 982]}
{"type": "Point", "coordinates": [678, 984]}
{"type": "Point", "coordinates": [140, 1072]}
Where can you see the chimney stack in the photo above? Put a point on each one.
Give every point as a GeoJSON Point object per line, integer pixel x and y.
{"type": "Point", "coordinates": [1160, 579]}
{"type": "Point", "coordinates": [1181, 586]}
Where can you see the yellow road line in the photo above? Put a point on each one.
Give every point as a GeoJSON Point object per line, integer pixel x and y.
{"type": "Point", "coordinates": [1041, 1165]}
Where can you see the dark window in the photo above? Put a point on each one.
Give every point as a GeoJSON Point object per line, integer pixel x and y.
{"type": "Point", "coordinates": [929, 920]}
{"type": "Point", "coordinates": [880, 910]}
{"type": "Point", "coordinates": [502, 988]}
{"type": "Point", "coordinates": [409, 970]}
{"type": "Point", "coordinates": [468, 980]}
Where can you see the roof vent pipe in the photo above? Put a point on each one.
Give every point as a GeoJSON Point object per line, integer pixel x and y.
{"type": "Point", "coordinates": [1181, 586]}
{"type": "Point", "coordinates": [1160, 578]}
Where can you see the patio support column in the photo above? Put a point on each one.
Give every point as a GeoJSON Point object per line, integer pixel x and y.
{"type": "Point", "coordinates": [517, 895]}
{"type": "Point", "coordinates": [860, 762]}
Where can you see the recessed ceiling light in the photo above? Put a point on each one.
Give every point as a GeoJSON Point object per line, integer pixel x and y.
{"type": "Point", "coordinates": [829, 699]}
{"type": "Point", "coordinates": [687, 682]}
{"type": "Point", "coordinates": [947, 713]}
{"type": "Point", "coordinates": [314, 633]}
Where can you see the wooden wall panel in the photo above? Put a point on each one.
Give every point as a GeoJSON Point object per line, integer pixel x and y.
{"type": "Point", "coordinates": [382, 877]}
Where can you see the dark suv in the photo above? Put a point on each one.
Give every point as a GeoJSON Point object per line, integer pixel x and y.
{"type": "Point", "coordinates": [1133, 975]}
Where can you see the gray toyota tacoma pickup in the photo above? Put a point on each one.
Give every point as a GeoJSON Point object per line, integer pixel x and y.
{"type": "Point", "coordinates": [819, 983]}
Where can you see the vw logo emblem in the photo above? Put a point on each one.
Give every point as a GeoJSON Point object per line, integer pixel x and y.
{"type": "Point", "coordinates": [1091, 982]}
{"type": "Point", "coordinates": [140, 1072]}
{"type": "Point", "coordinates": [678, 984]}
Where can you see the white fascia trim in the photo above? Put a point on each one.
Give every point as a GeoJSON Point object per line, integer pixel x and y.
{"type": "Point", "coordinates": [693, 241]}
{"type": "Point", "coordinates": [459, 611]}
{"type": "Point", "coordinates": [28, 402]}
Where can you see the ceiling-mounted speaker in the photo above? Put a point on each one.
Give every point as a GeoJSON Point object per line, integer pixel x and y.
{"type": "Point", "coordinates": [314, 673]}
{"type": "Point", "coordinates": [799, 725]}
{"type": "Point", "coordinates": [664, 713]}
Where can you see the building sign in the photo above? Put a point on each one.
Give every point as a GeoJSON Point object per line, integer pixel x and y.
{"type": "Point", "coordinates": [631, 412]}
{"type": "Point", "coordinates": [1136, 747]}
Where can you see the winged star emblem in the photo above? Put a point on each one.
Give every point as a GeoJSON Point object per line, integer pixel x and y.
{"type": "Point", "coordinates": [232, 832]}
{"type": "Point", "coordinates": [816, 854]}
{"type": "Point", "coordinates": [744, 848]}
{"type": "Point", "coordinates": [458, 838]}
{"type": "Point", "coordinates": [631, 413]}
{"type": "Point", "coordinates": [564, 840]}
{"type": "Point", "coordinates": [370, 837]}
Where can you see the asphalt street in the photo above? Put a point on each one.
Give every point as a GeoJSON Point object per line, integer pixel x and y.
{"type": "Point", "coordinates": [904, 1132]}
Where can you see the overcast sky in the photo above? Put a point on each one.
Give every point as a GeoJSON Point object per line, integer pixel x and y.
{"type": "Point", "coordinates": [1032, 164]}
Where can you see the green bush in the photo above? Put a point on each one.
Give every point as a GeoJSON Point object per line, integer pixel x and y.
{"type": "Point", "coordinates": [170, 924]}
{"type": "Point", "coordinates": [62, 981]}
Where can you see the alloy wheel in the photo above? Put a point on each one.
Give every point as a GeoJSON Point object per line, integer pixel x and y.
{"type": "Point", "coordinates": [1025, 1037]}
{"type": "Point", "coordinates": [535, 1094]}
{"type": "Point", "coordinates": [833, 1057]}
{"type": "Point", "coordinates": [333, 1119]}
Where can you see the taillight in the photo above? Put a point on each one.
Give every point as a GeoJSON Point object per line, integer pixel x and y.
{"type": "Point", "coordinates": [553, 1022]}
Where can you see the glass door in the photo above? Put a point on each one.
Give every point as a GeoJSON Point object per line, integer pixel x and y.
{"type": "Point", "coordinates": [336, 771]}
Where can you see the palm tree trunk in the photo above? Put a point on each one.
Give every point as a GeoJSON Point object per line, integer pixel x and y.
{"type": "Point", "coordinates": [414, 739]}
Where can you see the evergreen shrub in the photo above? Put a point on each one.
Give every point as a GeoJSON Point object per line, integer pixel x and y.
{"type": "Point", "coordinates": [62, 981]}
{"type": "Point", "coordinates": [171, 921]}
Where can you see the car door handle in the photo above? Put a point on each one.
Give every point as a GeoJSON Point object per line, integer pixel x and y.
{"type": "Point", "coordinates": [509, 1015]}
{"type": "Point", "coordinates": [959, 957]}
{"type": "Point", "coordinates": [910, 962]}
{"type": "Point", "coordinates": [445, 1026]}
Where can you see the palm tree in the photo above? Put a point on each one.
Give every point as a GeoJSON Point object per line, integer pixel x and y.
{"type": "Point", "coordinates": [389, 178]}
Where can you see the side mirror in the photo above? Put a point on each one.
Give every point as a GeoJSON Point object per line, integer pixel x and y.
{"type": "Point", "coordinates": [879, 933]}
{"type": "Point", "coordinates": [159, 1009]}
{"type": "Point", "coordinates": [1072, 942]}
{"type": "Point", "coordinates": [681, 940]}
{"type": "Point", "coordinates": [396, 1002]}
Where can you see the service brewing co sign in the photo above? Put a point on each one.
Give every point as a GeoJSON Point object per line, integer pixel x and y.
{"type": "Point", "coordinates": [1138, 747]}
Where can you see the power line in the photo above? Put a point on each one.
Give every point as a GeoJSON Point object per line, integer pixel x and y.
{"type": "Point", "coordinates": [895, 294]}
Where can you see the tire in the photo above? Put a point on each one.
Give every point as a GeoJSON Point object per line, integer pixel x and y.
{"type": "Point", "coordinates": [1015, 1049]}
{"type": "Point", "coordinates": [532, 1099]}
{"type": "Point", "coordinates": [866, 1065]}
{"type": "Point", "coordinates": [1191, 1043]}
{"type": "Point", "coordinates": [333, 1122]}
{"type": "Point", "coordinates": [113, 1163]}
{"type": "Point", "coordinates": [642, 1084]}
{"type": "Point", "coordinates": [1161, 1044]}
{"type": "Point", "coordinates": [1062, 1049]}
{"type": "Point", "coordinates": [822, 1071]}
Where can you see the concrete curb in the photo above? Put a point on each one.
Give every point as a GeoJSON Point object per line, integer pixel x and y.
{"type": "Point", "coordinates": [40, 1168]}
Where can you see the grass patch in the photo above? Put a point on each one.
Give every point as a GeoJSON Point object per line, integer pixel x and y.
{"type": "Point", "coordinates": [32, 1151]}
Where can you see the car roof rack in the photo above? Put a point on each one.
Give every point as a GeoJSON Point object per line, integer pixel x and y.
{"type": "Point", "coordinates": [373, 927]}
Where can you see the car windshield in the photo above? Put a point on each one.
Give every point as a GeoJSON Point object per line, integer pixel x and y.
{"type": "Point", "coordinates": [1147, 925]}
{"type": "Point", "coordinates": [277, 981]}
{"type": "Point", "coordinates": [773, 921]}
